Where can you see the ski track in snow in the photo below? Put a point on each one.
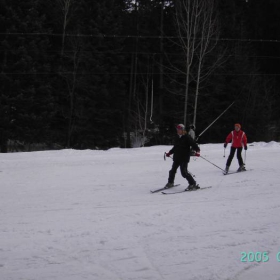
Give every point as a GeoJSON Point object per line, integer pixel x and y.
{"type": "Point", "coordinates": [73, 215]}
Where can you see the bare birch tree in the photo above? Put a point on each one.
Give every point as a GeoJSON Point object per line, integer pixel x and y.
{"type": "Point", "coordinates": [209, 35]}
{"type": "Point", "coordinates": [187, 15]}
{"type": "Point", "coordinates": [69, 72]}
{"type": "Point", "coordinates": [139, 116]}
{"type": "Point", "coordinates": [198, 34]}
{"type": "Point", "coordinates": [65, 6]}
{"type": "Point", "coordinates": [72, 81]}
{"type": "Point", "coordinates": [143, 114]}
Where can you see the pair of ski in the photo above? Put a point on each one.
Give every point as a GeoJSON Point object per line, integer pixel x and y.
{"type": "Point", "coordinates": [163, 190]}
{"type": "Point", "coordinates": [234, 172]}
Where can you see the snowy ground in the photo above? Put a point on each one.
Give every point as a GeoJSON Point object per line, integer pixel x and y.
{"type": "Point", "coordinates": [74, 215]}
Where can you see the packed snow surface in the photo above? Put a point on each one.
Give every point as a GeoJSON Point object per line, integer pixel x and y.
{"type": "Point", "coordinates": [78, 215]}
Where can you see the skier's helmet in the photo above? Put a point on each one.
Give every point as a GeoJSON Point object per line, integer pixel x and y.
{"type": "Point", "coordinates": [238, 125]}
{"type": "Point", "coordinates": [180, 127]}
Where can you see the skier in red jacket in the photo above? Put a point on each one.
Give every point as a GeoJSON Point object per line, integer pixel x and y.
{"type": "Point", "coordinates": [239, 140]}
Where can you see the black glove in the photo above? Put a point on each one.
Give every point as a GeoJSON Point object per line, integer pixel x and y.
{"type": "Point", "coordinates": [225, 145]}
{"type": "Point", "coordinates": [245, 148]}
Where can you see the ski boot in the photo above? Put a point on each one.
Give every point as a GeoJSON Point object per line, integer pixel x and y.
{"type": "Point", "coordinates": [241, 168]}
{"type": "Point", "coordinates": [193, 187]}
{"type": "Point", "coordinates": [169, 185]}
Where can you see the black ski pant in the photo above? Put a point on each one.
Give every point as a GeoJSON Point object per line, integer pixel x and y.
{"type": "Point", "coordinates": [231, 155]}
{"type": "Point", "coordinates": [184, 172]}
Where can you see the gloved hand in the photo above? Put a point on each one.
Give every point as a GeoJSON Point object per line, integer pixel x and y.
{"type": "Point", "coordinates": [168, 154]}
{"type": "Point", "coordinates": [245, 148]}
{"type": "Point", "coordinates": [225, 145]}
{"type": "Point", "coordinates": [197, 154]}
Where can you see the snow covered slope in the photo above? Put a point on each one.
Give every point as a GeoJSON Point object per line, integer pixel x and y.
{"type": "Point", "coordinates": [89, 215]}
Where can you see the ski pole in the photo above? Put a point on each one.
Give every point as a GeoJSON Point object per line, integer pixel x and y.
{"type": "Point", "coordinates": [224, 152]}
{"type": "Point", "coordinates": [214, 120]}
{"type": "Point", "coordinates": [212, 163]}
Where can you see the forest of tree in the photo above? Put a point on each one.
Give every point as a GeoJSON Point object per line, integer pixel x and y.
{"type": "Point", "coordinates": [96, 74]}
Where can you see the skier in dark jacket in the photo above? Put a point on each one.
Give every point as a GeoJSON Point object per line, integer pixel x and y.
{"type": "Point", "coordinates": [181, 157]}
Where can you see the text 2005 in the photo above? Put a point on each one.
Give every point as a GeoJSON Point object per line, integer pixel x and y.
{"type": "Point", "coordinates": [254, 257]}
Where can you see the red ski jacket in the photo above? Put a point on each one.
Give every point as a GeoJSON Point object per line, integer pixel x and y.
{"type": "Point", "coordinates": [237, 138]}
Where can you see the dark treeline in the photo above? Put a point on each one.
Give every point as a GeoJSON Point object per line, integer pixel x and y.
{"type": "Point", "coordinates": [120, 73]}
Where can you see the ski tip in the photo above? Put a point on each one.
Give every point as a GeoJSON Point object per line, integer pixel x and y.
{"type": "Point", "coordinates": [155, 191]}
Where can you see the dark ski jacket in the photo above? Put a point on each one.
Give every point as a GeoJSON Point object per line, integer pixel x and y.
{"type": "Point", "coordinates": [182, 148]}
